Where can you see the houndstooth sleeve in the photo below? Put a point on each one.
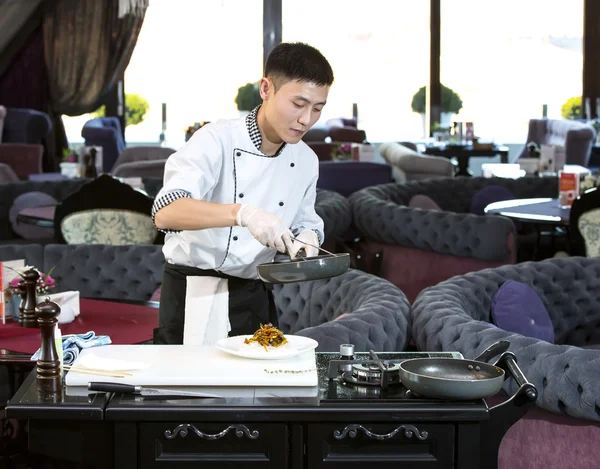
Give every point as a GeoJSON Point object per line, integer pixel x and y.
{"type": "Point", "coordinates": [165, 200]}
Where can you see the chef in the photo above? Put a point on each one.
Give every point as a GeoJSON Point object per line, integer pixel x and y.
{"type": "Point", "coordinates": [236, 193]}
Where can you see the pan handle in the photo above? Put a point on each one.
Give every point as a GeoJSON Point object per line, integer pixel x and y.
{"type": "Point", "coordinates": [508, 362]}
{"type": "Point", "coordinates": [495, 349]}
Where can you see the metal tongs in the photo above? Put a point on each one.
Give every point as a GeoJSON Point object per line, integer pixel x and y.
{"type": "Point", "coordinates": [311, 245]}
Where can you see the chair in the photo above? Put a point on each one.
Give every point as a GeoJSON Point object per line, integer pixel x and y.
{"type": "Point", "coordinates": [105, 211]}
{"type": "Point", "coordinates": [347, 134]}
{"type": "Point", "coordinates": [142, 153]}
{"type": "Point", "coordinates": [105, 132]}
{"type": "Point", "coordinates": [144, 169]}
{"type": "Point", "coordinates": [25, 126]}
{"type": "Point", "coordinates": [346, 177]}
{"type": "Point", "coordinates": [316, 134]}
{"type": "Point", "coordinates": [584, 225]}
{"type": "Point", "coordinates": [410, 165]}
{"type": "Point", "coordinates": [334, 210]}
{"type": "Point", "coordinates": [23, 158]}
{"type": "Point", "coordinates": [354, 308]}
{"type": "Point", "coordinates": [423, 247]}
{"type": "Point", "coordinates": [7, 174]}
{"type": "Point", "coordinates": [576, 137]}
{"type": "Point", "coordinates": [455, 316]}
{"type": "Point", "coordinates": [323, 150]}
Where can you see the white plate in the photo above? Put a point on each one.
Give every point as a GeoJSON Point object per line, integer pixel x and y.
{"type": "Point", "coordinates": [296, 345]}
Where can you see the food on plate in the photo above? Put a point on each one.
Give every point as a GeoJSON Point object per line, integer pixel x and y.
{"type": "Point", "coordinates": [267, 335]}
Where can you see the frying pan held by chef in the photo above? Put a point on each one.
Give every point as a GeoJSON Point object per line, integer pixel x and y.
{"type": "Point", "coordinates": [285, 270]}
{"type": "Point", "coordinates": [460, 379]}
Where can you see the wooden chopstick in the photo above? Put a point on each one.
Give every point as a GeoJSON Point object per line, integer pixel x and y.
{"type": "Point", "coordinates": [97, 371]}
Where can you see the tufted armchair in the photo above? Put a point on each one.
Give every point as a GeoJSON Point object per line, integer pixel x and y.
{"type": "Point", "coordinates": [25, 126]}
{"type": "Point", "coordinates": [356, 308]}
{"type": "Point", "coordinates": [105, 132]}
{"type": "Point", "coordinates": [423, 247]}
{"type": "Point", "coordinates": [455, 315]}
{"type": "Point", "coordinates": [576, 137]}
{"type": "Point", "coordinates": [334, 210]}
{"type": "Point", "coordinates": [559, 432]}
{"type": "Point", "coordinates": [409, 165]}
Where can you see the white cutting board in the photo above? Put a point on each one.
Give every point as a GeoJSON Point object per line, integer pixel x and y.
{"type": "Point", "coordinates": [192, 365]}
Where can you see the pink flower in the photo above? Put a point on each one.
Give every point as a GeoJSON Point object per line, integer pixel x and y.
{"type": "Point", "coordinates": [14, 282]}
{"type": "Point", "coordinates": [48, 280]}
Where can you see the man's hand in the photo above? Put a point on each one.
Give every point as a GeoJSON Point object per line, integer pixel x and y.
{"type": "Point", "coordinates": [266, 227]}
{"type": "Point", "coordinates": [311, 249]}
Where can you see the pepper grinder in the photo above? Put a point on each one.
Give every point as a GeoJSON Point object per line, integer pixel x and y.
{"type": "Point", "coordinates": [27, 314]}
{"type": "Point", "coordinates": [48, 363]}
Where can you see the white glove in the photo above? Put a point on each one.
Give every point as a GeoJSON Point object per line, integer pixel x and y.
{"type": "Point", "coordinates": [306, 236]}
{"type": "Point", "coordinates": [266, 227]}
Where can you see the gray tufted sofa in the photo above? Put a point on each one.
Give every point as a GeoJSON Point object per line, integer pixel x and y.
{"type": "Point", "coordinates": [356, 308]}
{"type": "Point", "coordinates": [335, 211]}
{"type": "Point", "coordinates": [563, 430]}
{"type": "Point", "coordinates": [96, 270]}
{"type": "Point", "coordinates": [423, 247]}
{"type": "Point", "coordinates": [455, 315]}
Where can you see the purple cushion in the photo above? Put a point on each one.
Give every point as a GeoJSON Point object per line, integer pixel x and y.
{"type": "Point", "coordinates": [488, 195]}
{"type": "Point", "coordinates": [423, 202]}
{"type": "Point", "coordinates": [516, 307]}
{"type": "Point", "coordinates": [30, 200]}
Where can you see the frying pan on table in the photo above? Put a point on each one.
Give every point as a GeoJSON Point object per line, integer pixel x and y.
{"type": "Point", "coordinates": [460, 379]}
{"type": "Point", "coordinates": [286, 270]}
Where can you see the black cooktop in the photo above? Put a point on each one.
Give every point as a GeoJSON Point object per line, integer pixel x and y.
{"type": "Point", "coordinates": [338, 390]}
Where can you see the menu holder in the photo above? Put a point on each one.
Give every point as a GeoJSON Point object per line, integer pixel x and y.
{"type": "Point", "coordinates": [568, 188]}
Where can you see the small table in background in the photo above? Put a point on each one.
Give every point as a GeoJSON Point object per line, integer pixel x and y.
{"type": "Point", "coordinates": [463, 153]}
{"type": "Point", "coordinates": [541, 210]}
{"type": "Point", "coordinates": [38, 216]}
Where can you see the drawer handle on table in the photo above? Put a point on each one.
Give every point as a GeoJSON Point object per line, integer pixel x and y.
{"type": "Point", "coordinates": [352, 432]}
{"type": "Point", "coordinates": [182, 429]}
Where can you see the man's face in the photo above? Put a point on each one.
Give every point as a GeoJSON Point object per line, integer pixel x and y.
{"type": "Point", "coordinates": [292, 109]}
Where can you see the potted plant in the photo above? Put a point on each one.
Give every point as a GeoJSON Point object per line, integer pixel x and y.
{"type": "Point", "coordinates": [248, 97]}
{"type": "Point", "coordinates": [572, 108]}
{"type": "Point", "coordinates": [70, 164]}
{"type": "Point", "coordinates": [451, 104]}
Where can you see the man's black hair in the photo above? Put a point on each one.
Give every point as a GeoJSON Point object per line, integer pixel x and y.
{"type": "Point", "coordinates": [298, 61]}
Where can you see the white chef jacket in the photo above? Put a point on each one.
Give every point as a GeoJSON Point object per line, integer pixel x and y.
{"type": "Point", "coordinates": [221, 164]}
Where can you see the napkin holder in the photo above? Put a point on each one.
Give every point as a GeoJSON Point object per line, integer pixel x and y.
{"type": "Point", "coordinates": [69, 305]}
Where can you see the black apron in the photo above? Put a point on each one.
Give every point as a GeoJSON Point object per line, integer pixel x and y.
{"type": "Point", "coordinates": [250, 303]}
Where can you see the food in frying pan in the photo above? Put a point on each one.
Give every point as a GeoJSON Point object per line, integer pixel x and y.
{"type": "Point", "coordinates": [267, 335]}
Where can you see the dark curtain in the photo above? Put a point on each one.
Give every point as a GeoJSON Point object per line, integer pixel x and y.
{"type": "Point", "coordinates": [24, 84]}
{"type": "Point", "coordinates": [87, 49]}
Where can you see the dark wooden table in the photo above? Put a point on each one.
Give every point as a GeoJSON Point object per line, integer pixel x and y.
{"type": "Point", "coordinates": [464, 152]}
{"type": "Point", "coordinates": [336, 427]}
{"type": "Point", "coordinates": [539, 210]}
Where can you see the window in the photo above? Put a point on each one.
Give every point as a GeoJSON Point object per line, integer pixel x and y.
{"type": "Point", "coordinates": [379, 52]}
{"type": "Point", "coordinates": [192, 55]}
{"type": "Point", "coordinates": [506, 60]}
